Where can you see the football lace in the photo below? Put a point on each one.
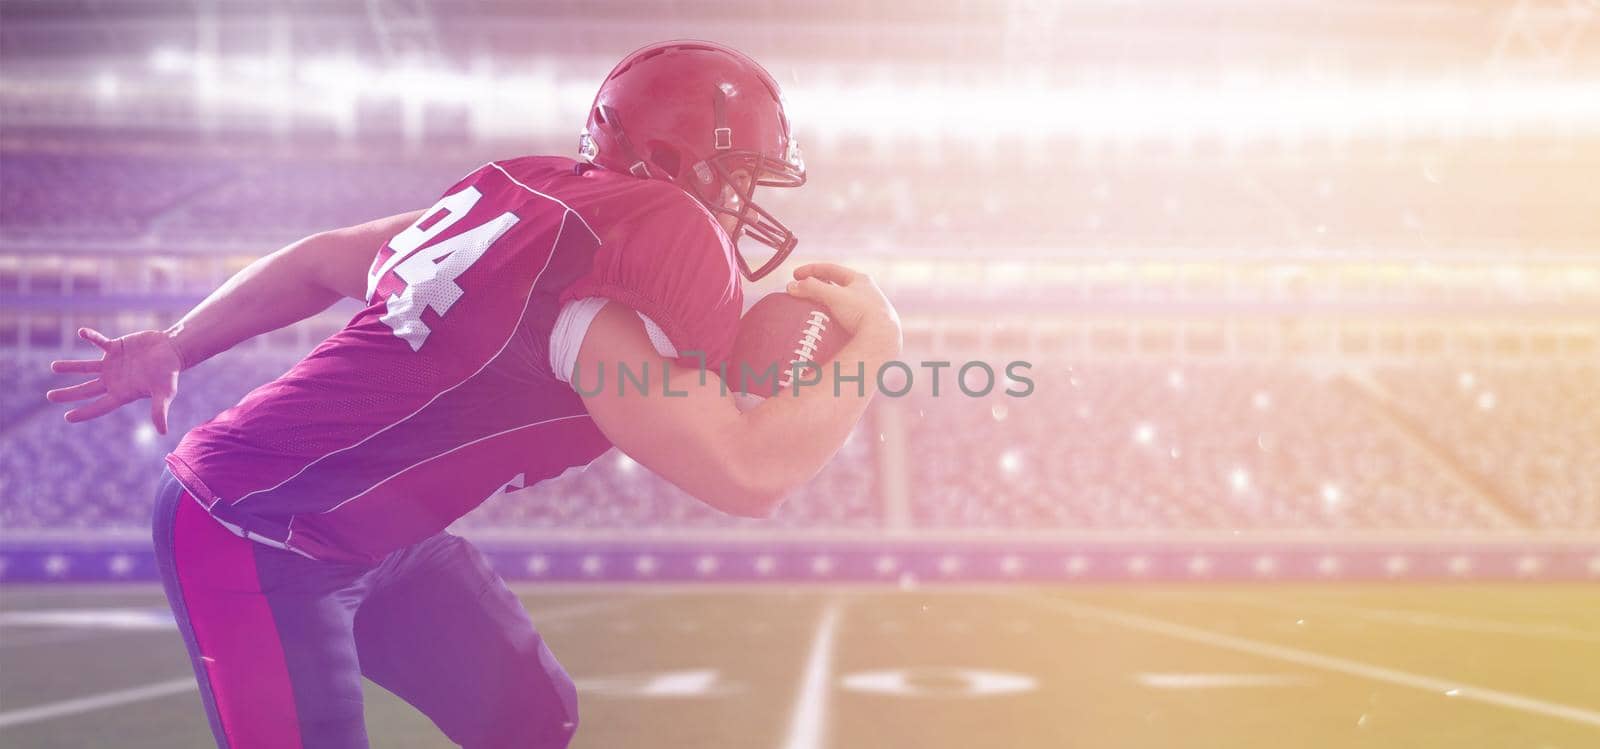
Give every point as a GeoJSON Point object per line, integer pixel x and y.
{"type": "Point", "coordinates": [806, 348]}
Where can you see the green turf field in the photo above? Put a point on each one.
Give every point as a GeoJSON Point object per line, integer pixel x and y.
{"type": "Point", "coordinates": [1213, 666]}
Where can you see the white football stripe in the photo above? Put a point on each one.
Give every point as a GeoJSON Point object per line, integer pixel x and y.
{"type": "Point", "coordinates": [1441, 686]}
{"type": "Point", "coordinates": [1218, 681]}
{"type": "Point", "coordinates": [151, 619]}
{"type": "Point", "coordinates": [97, 702]}
{"type": "Point", "coordinates": [808, 724]}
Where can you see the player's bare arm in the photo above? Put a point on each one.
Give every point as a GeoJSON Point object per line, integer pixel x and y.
{"type": "Point", "coordinates": [282, 288]}
{"type": "Point", "coordinates": [285, 287]}
{"type": "Point", "coordinates": [740, 463]}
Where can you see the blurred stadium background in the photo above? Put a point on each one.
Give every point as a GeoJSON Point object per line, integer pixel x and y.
{"type": "Point", "coordinates": [1311, 289]}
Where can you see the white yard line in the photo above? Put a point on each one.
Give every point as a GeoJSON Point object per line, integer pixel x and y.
{"type": "Point", "coordinates": [1349, 667]}
{"type": "Point", "coordinates": [105, 700]}
{"type": "Point", "coordinates": [55, 636]}
{"type": "Point", "coordinates": [149, 618]}
{"type": "Point", "coordinates": [541, 616]}
{"type": "Point", "coordinates": [1218, 681]}
{"type": "Point", "coordinates": [97, 702]}
{"type": "Point", "coordinates": [1425, 619]}
{"type": "Point", "coordinates": [1391, 615]}
{"type": "Point", "coordinates": [821, 587]}
{"type": "Point", "coordinates": [808, 724]}
{"type": "Point", "coordinates": [12, 591]}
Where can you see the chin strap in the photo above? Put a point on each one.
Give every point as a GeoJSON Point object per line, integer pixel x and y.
{"type": "Point", "coordinates": [640, 168]}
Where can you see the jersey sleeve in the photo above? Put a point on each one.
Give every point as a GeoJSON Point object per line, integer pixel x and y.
{"type": "Point", "coordinates": [673, 266]}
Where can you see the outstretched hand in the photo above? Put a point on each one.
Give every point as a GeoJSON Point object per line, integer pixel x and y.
{"type": "Point", "coordinates": [138, 365]}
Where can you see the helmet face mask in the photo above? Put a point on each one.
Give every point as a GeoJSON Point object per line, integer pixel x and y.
{"type": "Point", "coordinates": [738, 173]}
{"type": "Point", "coordinates": [710, 120]}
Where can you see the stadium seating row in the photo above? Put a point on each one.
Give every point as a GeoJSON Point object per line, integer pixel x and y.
{"type": "Point", "coordinates": [1532, 435]}
{"type": "Point", "coordinates": [1113, 447]}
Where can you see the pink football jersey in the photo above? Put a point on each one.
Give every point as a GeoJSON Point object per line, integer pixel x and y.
{"type": "Point", "coordinates": [440, 391]}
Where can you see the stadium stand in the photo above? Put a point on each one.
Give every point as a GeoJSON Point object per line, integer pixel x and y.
{"type": "Point", "coordinates": [60, 477]}
{"type": "Point", "coordinates": [1106, 447]}
{"type": "Point", "coordinates": [1532, 433]}
{"type": "Point", "coordinates": [23, 381]}
{"type": "Point", "coordinates": [615, 493]}
{"type": "Point", "coordinates": [106, 195]}
{"type": "Point", "coordinates": [102, 475]}
{"type": "Point", "coordinates": [275, 200]}
{"type": "Point", "coordinates": [1198, 448]}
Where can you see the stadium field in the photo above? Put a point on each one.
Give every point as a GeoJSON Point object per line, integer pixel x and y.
{"type": "Point", "coordinates": [804, 667]}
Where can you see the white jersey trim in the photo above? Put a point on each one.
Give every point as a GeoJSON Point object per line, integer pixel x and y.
{"type": "Point", "coordinates": [510, 336]}
{"type": "Point", "coordinates": [519, 183]}
{"type": "Point", "coordinates": [247, 535]}
{"type": "Point", "coordinates": [432, 458]}
{"type": "Point", "coordinates": [572, 326]}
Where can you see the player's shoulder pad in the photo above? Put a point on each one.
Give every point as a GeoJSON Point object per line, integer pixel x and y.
{"type": "Point", "coordinates": [667, 258]}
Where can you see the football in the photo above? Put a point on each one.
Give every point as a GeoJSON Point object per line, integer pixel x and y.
{"type": "Point", "coordinates": [775, 335]}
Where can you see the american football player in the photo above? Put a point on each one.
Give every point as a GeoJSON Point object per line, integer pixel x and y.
{"type": "Point", "coordinates": [301, 533]}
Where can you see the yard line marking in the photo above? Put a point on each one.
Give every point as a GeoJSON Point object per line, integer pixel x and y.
{"type": "Point", "coordinates": [176, 686]}
{"type": "Point", "coordinates": [97, 702]}
{"type": "Point", "coordinates": [24, 591]}
{"type": "Point", "coordinates": [135, 619]}
{"type": "Point", "coordinates": [1335, 664]}
{"type": "Point", "coordinates": [808, 724]}
{"type": "Point", "coordinates": [1425, 619]}
{"type": "Point", "coordinates": [578, 610]}
{"type": "Point", "coordinates": [701, 682]}
{"type": "Point", "coordinates": [1218, 681]}
{"type": "Point", "coordinates": [831, 588]}
{"type": "Point", "coordinates": [54, 636]}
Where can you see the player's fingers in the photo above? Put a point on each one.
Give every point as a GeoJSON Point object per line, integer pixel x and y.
{"type": "Point", "coordinates": [75, 366]}
{"type": "Point", "coordinates": [816, 290]}
{"type": "Point", "coordinates": [76, 392]}
{"type": "Point", "coordinates": [104, 405]}
{"type": "Point", "coordinates": [95, 337]}
{"type": "Point", "coordinates": [158, 412]}
{"type": "Point", "coordinates": [831, 272]}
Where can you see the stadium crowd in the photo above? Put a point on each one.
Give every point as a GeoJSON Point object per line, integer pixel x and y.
{"type": "Point", "coordinates": [1141, 447]}
{"type": "Point", "coordinates": [1109, 447]}
{"type": "Point", "coordinates": [1532, 434]}
{"type": "Point", "coordinates": [1130, 446]}
{"type": "Point", "coordinates": [102, 475]}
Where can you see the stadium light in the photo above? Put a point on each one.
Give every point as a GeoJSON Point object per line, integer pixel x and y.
{"type": "Point", "coordinates": [107, 85]}
{"type": "Point", "coordinates": [1235, 107]}
{"type": "Point", "coordinates": [168, 60]}
{"type": "Point", "coordinates": [1289, 108]}
{"type": "Point", "coordinates": [336, 76]}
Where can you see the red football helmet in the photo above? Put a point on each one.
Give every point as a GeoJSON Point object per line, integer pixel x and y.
{"type": "Point", "coordinates": [696, 114]}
